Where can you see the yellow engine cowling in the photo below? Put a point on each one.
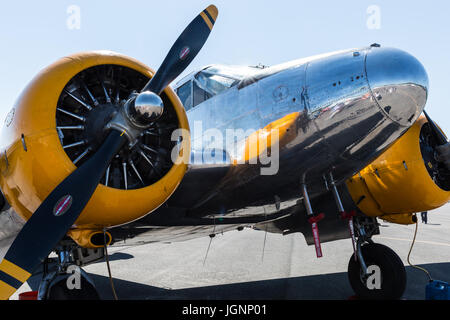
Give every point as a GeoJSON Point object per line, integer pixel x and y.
{"type": "Point", "coordinates": [397, 184]}
{"type": "Point", "coordinates": [33, 161]}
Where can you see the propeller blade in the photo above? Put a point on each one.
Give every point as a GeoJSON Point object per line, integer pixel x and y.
{"type": "Point", "coordinates": [440, 137]}
{"type": "Point", "coordinates": [184, 50]}
{"type": "Point", "coordinates": [56, 214]}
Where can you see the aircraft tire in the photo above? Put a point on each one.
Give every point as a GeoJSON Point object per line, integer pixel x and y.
{"type": "Point", "coordinates": [59, 291]}
{"type": "Point", "coordinates": [391, 282]}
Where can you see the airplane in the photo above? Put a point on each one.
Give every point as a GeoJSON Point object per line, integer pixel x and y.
{"type": "Point", "coordinates": [99, 150]}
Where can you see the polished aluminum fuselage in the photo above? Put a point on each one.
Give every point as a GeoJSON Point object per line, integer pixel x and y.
{"type": "Point", "coordinates": [352, 105]}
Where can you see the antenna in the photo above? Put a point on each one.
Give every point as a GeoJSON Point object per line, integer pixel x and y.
{"type": "Point", "coordinates": [265, 235]}
{"type": "Point", "coordinates": [211, 236]}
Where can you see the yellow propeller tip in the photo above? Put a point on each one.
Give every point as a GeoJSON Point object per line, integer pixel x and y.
{"type": "Point", "coordinates": [213, 11]}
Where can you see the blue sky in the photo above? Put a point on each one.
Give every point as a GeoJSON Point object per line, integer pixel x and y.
{"type": "Point", "coordinates": [35, 34]}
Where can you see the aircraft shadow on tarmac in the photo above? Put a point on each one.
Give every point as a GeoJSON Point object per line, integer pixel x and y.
{"type": "Point", "coordinates": [333, 286]}
{"type": "Point", "coordinates": [119, 256]}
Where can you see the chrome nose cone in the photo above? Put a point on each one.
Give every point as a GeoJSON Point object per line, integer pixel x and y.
{"type": "Point", "coordinates": [144, 109]}
{"type": "Point", "coordinates": [399, 84]}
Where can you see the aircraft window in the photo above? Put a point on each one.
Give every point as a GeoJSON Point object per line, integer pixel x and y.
{"type": "Point", "coordinates": [214, 83]}
{"type": "Point", "coordinates": [200, 95]}
{"type": "Point", "coordinates": [210, 82]}
{"type": "Point", "coordinates": [185, 94]}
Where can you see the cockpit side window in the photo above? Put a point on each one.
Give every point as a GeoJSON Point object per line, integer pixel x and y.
{"type": "Point", "coordinates": [210, 82]}
{"type": "Point", "coordinates": [206, 85]}
{"type": "Point", "coordinates": [200, 95]}
{"type": "Point", "coordinates": [185, 94]}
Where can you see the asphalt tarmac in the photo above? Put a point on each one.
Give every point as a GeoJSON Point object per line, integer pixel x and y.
{"type": "Point", "coordinates": [239, 265]}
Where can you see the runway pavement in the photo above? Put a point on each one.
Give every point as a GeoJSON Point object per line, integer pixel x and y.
{"type": "Point", "coordinates": [237, 267]}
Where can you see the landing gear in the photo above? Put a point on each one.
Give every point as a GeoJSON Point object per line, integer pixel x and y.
{"type": "Point", "coordinates": [374, 270]}
{"type": "Point", "coordinates": [63, 278]}
{"type": "Point", "coordinates": [386, 275]}
{"type": "Point", "coordinates": [60, 289]}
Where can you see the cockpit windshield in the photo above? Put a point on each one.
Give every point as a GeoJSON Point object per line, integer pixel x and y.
{"type": "Point", "coordinates": [236, 72]}
{"type": "Point", "coordinates": [209, 82]}
{"type": "Point", "coordinates": [213, 83]}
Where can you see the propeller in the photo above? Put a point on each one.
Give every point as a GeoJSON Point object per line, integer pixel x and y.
{"type": "Point", "coordinates": [183, 51]}
{"type": "Point", "coordinates": [59, 211]}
